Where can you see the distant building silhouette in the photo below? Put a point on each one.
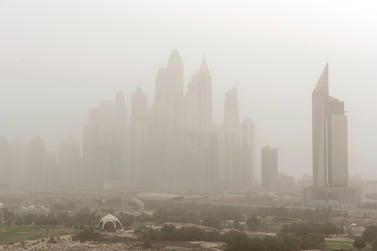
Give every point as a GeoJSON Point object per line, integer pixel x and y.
{"type": "Point", "coordinates": [37, 177]}
{"type": "Point", "coordinates": [231, 110]}
{"type": "Point", "coordinates": [198, 101]}
{"type": "Point", "coordinates": [5, 162]}
{"type": "Point", "coordinates": [229, 141]}
{"type": "Point", "coordinates": [138, 136]}
{"type": "Point", "coordinates": [269, 166]}
{"type": "Point", "coordinates": [283, 184]}
{"type": "Point", "coordinates": [102, 145]}
{"type": "Point", "coordinates": [248, 146]}
{"type": "Point", "coordinates": [69, 163]}
{"type": "Point", "coordinates": [173, 144]}
{"type": "Point", "coordinates": [204, 94]}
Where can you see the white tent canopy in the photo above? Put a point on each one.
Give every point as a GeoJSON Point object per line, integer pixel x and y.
{"type": "Point", "coordinates": [109, 222]}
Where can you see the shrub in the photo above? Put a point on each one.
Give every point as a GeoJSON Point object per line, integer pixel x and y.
{"type": "Point", "coordinates": [88, 234]}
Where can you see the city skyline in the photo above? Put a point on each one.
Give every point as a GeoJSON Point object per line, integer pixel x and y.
{"type": "Point", "coordinates": [48, 83]}
{"type": "Point", "coordinates": [271, 51]}
{"type": "Point", "coordinates": [188, 125]}
{"type": "Point", "coordinates": [185, 91]}
{"type": "Point", "coordinates": [138, 104]}
{"type": "Point", "coordinates": [171, 144]}
{"type": "Point", "coordinates": [117, 141]}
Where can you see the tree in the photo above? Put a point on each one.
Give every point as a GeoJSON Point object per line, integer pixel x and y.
{"type": "Point", "coordinates": [237, 241]}
{"type": "Point", "coordinates": [147, 243]}
{"type": "Point", "coordinates": [370, 233]}
{"type": "Point", "coordinates": [374, 246]}
{"type": "Point", "coordinates": [359, 243]}
{"type": "Point", "coordinates": [126, 219]}
{"type": "Point", "coordinates": [253, 223]}
{"type": "Point", "coordinates": [211, 221]}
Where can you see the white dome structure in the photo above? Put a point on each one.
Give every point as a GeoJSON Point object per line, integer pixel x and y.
{"type": "Point", "coordinates": [110, 223]}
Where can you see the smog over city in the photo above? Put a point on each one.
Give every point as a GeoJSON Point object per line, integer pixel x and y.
{"type": "Point", "coordinates": [188, 125]}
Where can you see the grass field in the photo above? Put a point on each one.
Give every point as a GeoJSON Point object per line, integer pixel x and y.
{"type": "Point", "coordinates": [23, 233]}
{"type": "Point", "coordinates": [342, 245]}
{"type": "Point", "coordinates": [347, 245]}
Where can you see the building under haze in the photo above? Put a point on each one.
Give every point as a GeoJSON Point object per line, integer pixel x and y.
{"type": "Point", "coordinates": [236, 146]}
{"type": "Point", "coordinates": [330, 143]}
{"type": "Point", "coordinates": [5, 163]}
{"type": "Point", "coordinates": [105, 143]}
{"type": "Point", "coordinates": [37, 168]}
{"type": "Point", "coordinates": [248, 146]}
{"type": "Point", "coordinates": [269, 166]}
{"type": "Point", "coordinates": [69, 163]}
{"type": "Point", "coordinates": [283, 184]}
{"type": "Point", "coordinates": [169, 145]}
{"type": "Point", "coordinates": [172, 145]}
{"type": "Point", "coordinates": [330, 149]}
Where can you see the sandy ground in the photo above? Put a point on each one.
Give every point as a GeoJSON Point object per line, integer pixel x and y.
{"type": "Point", "coordinates": [65, 243]}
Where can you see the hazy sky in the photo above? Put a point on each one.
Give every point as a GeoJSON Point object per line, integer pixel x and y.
{"type": "Point", "coordinates": [60, 58]}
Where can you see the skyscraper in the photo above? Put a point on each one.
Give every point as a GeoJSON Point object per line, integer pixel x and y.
{"type": "Point", "coordinates": [248, 146]}
{"type": "Point", "coordinates": [5, 161]}
{"type": "Point", "coordinates": [139, 130]}
{"type": "Point", "coordinates": [121, 142]}
{"type": "Point", "coordinates": [160, 100]}
{"type": "Point", "coordinates": [37, 163]}
{"type": "Point", "coordinates": [330, 150]}
{"type": "Point", "coordinates": [191, 105]}
{"type": "Point", "coordinates": [139, 106]}
{"type": "Point", "coordinates": [204, 96]}
{"type": "Point", "coordinates": [104, 142]}
{"type": "Point", "coordinates": [69, 160]}
{"type": "Point", "coordinates": [120, 114]}
{"type": "Point", "coordinates": [174, 92]}
{"type": "Point", "coordinates": [269, 166]}
{"type": "Point", "coordinates": [231, 112]}
{"type": "Point", "coordinates": [168, 100]}
{"type": "Point", "coordinates": [198, 101]}
{"type": "Point", "coordinates": [230, 154]}
{"type": "Point", "coordinates": [329, 132]}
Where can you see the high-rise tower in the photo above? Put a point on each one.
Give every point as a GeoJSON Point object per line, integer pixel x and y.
{"type": "Point", "coordinates": [120, 111]}
{"type": "Point", "coordinates": [5, 161]}
{"type": "Point", "coordinates": [168, 101]}
{"type": "Point", "coordinates": [269, 166]}
{"type": "Point", "coordinates": [229, 140]}
{"type": "Point", "coordinates": [138, 105]}
{"type": "Point", "coordinates": [139, 129]}
{"type": "Point", "coordinates": [37, 162]}
{"type": "Point", "coordinates": [204, 96]}
{"type": "Point", "coordinates": [174, 91]}
{"type": "Point", "coordinates": [231, 113]}
{"type": "Point", "coordinates": [329, 132]}
{"type": "Point", "coordinates": [198, 101]}
{"type": "Point", "coordinates": [248, 148]}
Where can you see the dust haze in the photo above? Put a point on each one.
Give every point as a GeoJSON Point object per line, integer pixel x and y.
{"type": "Point", "coordinates": [188, 125]}
{"type": "Point", "coordinates": [180, 96]}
